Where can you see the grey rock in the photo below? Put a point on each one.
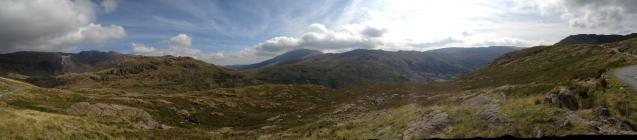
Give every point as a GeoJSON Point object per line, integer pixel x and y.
{"type": "Point", "coordinates": [491, 115]}
{"type": "Point", "coordinates": [562, 97]}
{"type": "Point", "coordinates": [427, 125]}
{"type": "Point", "coordinates": [113, 110]}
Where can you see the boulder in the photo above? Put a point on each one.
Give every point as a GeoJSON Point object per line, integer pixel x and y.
{"type": "Point", "coordinates": [562, 97]}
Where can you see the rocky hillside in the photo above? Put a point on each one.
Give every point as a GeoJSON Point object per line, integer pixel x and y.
{"type": "Point", "coordinates": [365, 66]}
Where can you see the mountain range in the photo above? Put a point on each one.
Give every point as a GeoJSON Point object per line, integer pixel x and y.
{"type": "Point", "coordinates": [94, 68]}
{"type": "Point", "coordinates": [364, 66]}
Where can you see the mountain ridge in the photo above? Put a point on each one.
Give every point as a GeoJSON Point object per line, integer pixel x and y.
{"type": "Point", "coordinates": [362, 66]}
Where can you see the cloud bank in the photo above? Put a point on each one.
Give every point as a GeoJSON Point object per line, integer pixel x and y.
{"type": "Point", "coordinates": [53, 25]}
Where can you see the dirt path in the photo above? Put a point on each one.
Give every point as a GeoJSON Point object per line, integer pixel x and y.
{"type": "Point", "coordinates": [628, 75]}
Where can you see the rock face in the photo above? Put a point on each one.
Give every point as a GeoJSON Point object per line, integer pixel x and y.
{"type": "Point", "coordinates": [428, 125]}
{"type": "Point", "coordinates": [562, 97]}
{"type": "Point", "coordinates": [113, 110]}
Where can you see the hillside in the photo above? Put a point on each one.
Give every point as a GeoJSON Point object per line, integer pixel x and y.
{"type": "Point", "coordinates": [163, 74]}
{"type": "Point", "coordinates": [365, 66]}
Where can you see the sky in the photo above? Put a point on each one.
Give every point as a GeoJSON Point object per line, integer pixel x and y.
{"type": "Point", "coordinates": [227, 32]}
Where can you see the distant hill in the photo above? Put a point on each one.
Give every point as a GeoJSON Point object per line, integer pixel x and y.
{"type": "Point", "coordinates": [594, 39]}
{"type": "Point", "coordinates": [96, 69]}
{"type": "Point", "coordinates": [55, 63]}
{"type": "Point", "coordinates": [148, 72]}
{"type": "Point", "coordinates": [476, 57]}
{"type": "Point", "coordinates": [361, 66]}
{"type": "Point", "coordinates": [289, 57]}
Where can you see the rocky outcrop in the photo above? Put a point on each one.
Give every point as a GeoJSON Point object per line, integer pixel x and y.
{"type": "Point", "coordinates": [562, 97]}
{"type": "Point", "coordinates": [427, 126]}
{"type": "Point", "coordinates": [489, 109]}
{"type": "Point", "coordinates": [601, 124]}
{"type": "Point", "coordinates": [114, 110]}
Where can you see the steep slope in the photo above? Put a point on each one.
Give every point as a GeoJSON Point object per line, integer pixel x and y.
{"type": "Point", "coordinates": [364, 66]}
{"type": "Point", "coordinates": [165, 73]}
{"type": "Point", "coordinates": [288, 57]}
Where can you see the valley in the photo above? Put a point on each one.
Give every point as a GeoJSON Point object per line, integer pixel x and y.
{"type": "Point", "coordinates": [556, 90]}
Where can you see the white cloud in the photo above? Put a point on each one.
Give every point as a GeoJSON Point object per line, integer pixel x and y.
{"type": "Point", "coordinates": [142, 49]}
{"type": "Point", "coordinates": [108, 5]}
{"type": "Point", "coordinates": [181, 40]}
{"type": "Point", "coordinates": [422, 25]}
{"type": "Point", "coordinates": [51, 25]}
{"type": "Point", "coordinates": [321, 38]}
{"type": "Point", "coordinates": [179, 45]}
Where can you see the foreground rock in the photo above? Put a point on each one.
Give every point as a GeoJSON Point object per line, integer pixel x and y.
{"type": "Point", "coordinates": [562, 97]}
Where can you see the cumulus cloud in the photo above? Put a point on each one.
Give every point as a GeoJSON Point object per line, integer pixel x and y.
{"type": "Point", "coordinates": [181, 40]}
{"type": "Point", "coordinates": [142, 49]}
{"type": "Point", "coordinates": [179, 45]}
{"type": "Point", "coordinates": [373, 32]}
{"type": "Point", "coordinates": [321, 38]}
{"type": "Point", "coordinates": [618, 15]}
{"type": "Point", "coordinates": [51, 25]}
{"type": "Point", "coordinates": [614, 16]}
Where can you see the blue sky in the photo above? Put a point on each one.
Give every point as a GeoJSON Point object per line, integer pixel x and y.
{"type": "Point", "coordinates": [216, 25]}
{"type": "Point", "coordinates": [248, 31]}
